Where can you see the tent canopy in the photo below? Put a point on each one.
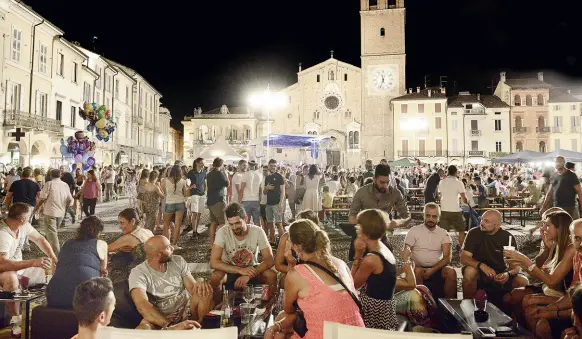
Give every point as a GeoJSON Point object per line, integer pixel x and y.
{"type": "Point", "coordinates": [220, 149]}
{"type": "Point", "coordinates": [294, 140]}
{"type": "Point", "coordinates": [405, 162]}
{"type": "Point", "coordinates": [523, 156]}
{"type": "Point", "coordinates": [568, 155]}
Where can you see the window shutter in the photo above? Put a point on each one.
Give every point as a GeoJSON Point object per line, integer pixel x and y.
{"type": "Point", "coordinates": [37, 108]}
{"type": "Point", "coordinates": [22, 96]}
{"type": "Point", "coordinates": [8, 95]}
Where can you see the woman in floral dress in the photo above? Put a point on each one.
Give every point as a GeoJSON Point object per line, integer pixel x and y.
{"type": "Point", "coordinates": [131, 187]}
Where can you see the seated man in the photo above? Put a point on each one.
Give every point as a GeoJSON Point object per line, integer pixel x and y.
{"type": "Point", "coordinates": [176, 295]}
{"type": "Point", "coordinates": [430, 248]}
{"type": "Point", "coordinates": [13, 232]}
{"type": "Point", "coordinates": [483, 263]}
{"type": "Point", "coordinates": [93, 304]}
{"type": "Point", "coordinates": [234, 256]}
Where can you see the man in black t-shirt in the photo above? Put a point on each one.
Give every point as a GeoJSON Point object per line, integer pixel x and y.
{"type": "Point", "coordinates": [275, 191]}
{"type": "Point", "coordinates": [564, 188]}
{"type": "Point", "coordinates": [482, 259]}
{"type": "Point", "coordinates": [432, 184]}
{"type": "Point", "coordinates": [24, 190]}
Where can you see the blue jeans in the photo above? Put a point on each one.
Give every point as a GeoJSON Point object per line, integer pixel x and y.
{"type": "Point", "coordinates": [253, 210]}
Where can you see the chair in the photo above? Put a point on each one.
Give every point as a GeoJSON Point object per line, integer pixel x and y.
{"type": "Point", "coordinates": [118, 333]}
{"type": "Point", "coordinates": [53, 323]}
{"type": "Point", "coordinates": [339, 331]}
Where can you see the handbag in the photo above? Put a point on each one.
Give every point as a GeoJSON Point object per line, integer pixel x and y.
{"type": "Point", "coordinates": [300, 325]}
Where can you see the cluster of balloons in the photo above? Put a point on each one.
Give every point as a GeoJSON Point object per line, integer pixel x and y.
{"type": "Point", "coordinates": [80, 149]}
{"type": "Point", "coordinates": [100, 120]}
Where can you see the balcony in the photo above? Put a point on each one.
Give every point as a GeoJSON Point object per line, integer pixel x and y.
{"type": "Point", "coordinates": [556, 129]}
{"type": "Point", "coordinates": [476, 153]}
{"type": "Point", "coordinates": [520, 130]}
{"type": "Point", "coordinates": [498, 154]}
{"type": "Point", "coordinates": [475, 111]}
{"type": "Point", "coordinates": [36, 122]}
{"type": "Point", "coordinates": [475, 132]}
{"type": "Point", "coordinates": [543, 129]}
{"type": "Point", "coordinates": [422, 153]}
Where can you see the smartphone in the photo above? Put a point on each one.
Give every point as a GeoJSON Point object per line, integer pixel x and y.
{"type": "Point", "coordinates": [486, 331]}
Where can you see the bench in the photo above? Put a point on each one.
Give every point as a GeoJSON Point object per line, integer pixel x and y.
{"type": "Point", "coordinates": [522, 212]}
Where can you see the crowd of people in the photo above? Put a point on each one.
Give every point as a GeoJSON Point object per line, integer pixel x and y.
{"type": "Point", "coordinates": [251, 242]}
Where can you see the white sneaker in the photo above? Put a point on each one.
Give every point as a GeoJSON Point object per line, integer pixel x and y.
{"type": "Point", "coordinates": [15, 325]}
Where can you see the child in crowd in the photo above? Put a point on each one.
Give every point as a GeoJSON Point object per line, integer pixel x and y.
{"type": "Point", "coordinates": [327, 203]}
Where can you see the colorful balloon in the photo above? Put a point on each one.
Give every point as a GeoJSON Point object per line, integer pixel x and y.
{"type": "Point", "coordinates": [101, 123]}
{"type": "Point", "coordinates": [78, 158]}
{"type": "Point", "coordinates": [91, 161]}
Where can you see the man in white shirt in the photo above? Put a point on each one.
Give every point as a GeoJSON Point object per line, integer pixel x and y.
{"type": "Point", "coordinates": [13, 233]}
{"type": "Point", "coordinates": [109, 182]}
{"type": "Point", "coordinates": [237, 180]}
{"type": "Point", "coordinates": [56, 198]}
{"type": "Point", "coordinates": [251, 194]}
{"type": "Point", "coordinates": [429, 247]}
{"type": "Point", "coordinates": [451, 214]}
{"type": "Point", "coordinates": [334, 185]}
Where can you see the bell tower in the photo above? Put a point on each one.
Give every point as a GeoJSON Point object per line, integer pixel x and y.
{"type": "Point", "coordinates": [383, 72]}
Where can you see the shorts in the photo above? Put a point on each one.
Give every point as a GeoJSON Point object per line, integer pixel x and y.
{"type": "Point", "coordinates": [217, 213]}
{"type": "Point", "coordinates": [197, 203]}
{"type": "Point", "coordinates": [253, 210]}
{"type": "Point", "coordinates": [231, 278]}
{"type": "Point", "coordinates": [273, 213]}
{"type": "Point", "coordinates": [264, 213]}
{"type": "Point", "coordinates": [452, 220]}
{"type": "Point", "coordinates": [173, 208]}
{"type": "Point", "coordinates": [484, 283]}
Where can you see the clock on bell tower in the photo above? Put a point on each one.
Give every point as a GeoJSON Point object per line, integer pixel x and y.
{"type": "Point", "coordinates": [383, 72]}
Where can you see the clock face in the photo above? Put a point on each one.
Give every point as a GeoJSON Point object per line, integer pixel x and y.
{"type": "Point", "coordinates": [383, 79]}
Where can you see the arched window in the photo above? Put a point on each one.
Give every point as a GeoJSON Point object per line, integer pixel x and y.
{"type": "Point", "coordinates": [517, 100]}
{"type": "Point", "coordinates": [518, 122]}
{"type": "Point", "coordinates": [314, 133]}
{"type": "Point", "coordinates": [382, 32]}
{"type": "Point", "coordinates": [542, 147]}
{"type": "Point", "coordinates": [348, 114]}
{"type": "Point", "coordinates": [540, 100]}
{"type": "Point", "coordinates": [351, 139]}
{"type": "Point", "coordinates": [519, 146]}
{"type": "Point", "coordinates": [331, 76]}
{"type": "Point", "coordinates": [357, 138]}
{"type": "Point", "coordinates": [528, 101]}
{"type": "Point", "coordinates": [541, 121]}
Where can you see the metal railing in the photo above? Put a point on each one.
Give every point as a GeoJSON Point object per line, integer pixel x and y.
{"type": "Point", "coordinates": [475, 111]}
{"type": "Point", "coordinates": [498, 154]}
{"type": "Point", "coordinates": [18, 118]}
{"type": "Point", "coordinates": [543, 129]}
{"type": "Point", "coordinates": [476, 153]}
{"type": "Point", "coordinates": [520, 130]}
{"type": "Point", "coordinates": [423, 153]}
{"type": "Point", "coordinates": [475, 132]}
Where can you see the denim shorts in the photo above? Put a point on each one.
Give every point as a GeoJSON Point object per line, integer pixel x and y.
{"type": "Point", "coordinates": [173, 208]}
{"type": "Point", "coordinates": [274, 213]}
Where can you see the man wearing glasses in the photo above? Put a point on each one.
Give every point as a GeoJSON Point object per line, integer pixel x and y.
{"type": "Point", "coordinates": [234, 256]}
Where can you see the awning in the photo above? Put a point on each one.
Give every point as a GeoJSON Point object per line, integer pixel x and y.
{"type": "Point", "coordinates": [523, 156]}
{"type": "Point", "coordinates": [294, 140]}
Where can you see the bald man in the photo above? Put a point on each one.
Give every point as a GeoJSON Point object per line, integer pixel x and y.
{"type": "Point", "coordinates": [482, 259]}
{"type": "Point", "coordinates": [178, 298]}
{"type": "Point", "coordinates": [564, 188]}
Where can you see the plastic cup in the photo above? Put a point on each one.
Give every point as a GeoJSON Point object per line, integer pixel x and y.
{"type": "Point", "coordinates": [508, 248]}
{"type": "Point", "coordinates": [246, 310]}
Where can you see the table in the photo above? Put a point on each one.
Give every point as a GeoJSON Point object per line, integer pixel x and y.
{"type": "Point", "coordinates": [27, 299]}
{"type": "Point", "coordinates": [462, 310]}
{"type": "Point", "coordinates": [521, 210]}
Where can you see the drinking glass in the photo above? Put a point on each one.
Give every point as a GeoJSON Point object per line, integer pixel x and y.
{"type": "Point", "coordinates": [245, 312]}
{"type": "Point", "coordinates": [248, 293]}
{"type": "Point", "coordinates": [258, 292]}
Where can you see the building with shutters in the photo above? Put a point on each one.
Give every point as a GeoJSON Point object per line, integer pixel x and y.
{"type": "Point", "coordinates": [564, 118]}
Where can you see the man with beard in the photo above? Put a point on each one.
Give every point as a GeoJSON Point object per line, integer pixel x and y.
{"type": "Point", "coordinates": [564, 187]}
{"type": "Point", "coordinates": [429, 247]}
{"type": "Point", "coordinates": [380, 195]}
{"type": "Point", "coordinates": [234, 256]}
{"type": "Point", "coordinates": [452, 216]}
{"type": "Point", "coordinates": [176, 295]}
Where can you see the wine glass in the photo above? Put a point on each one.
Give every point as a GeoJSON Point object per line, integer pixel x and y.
{"type": "Point", "coordinates": [248, 293]}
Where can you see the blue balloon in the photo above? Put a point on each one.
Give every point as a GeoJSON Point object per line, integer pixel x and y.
{"type": "Point", "coordinates": [85, 157]}
{"type": "Point", "coordinates": [64, 150]}
{"type": "Point", "coordinates": [95, 105]}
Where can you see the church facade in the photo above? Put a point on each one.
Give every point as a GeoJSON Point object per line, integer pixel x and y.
{"type": "Point", "coordinates": [352, 105]}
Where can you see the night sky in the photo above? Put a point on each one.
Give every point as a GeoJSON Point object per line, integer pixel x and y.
{"type": "Point", "coordinates": [209, 53]}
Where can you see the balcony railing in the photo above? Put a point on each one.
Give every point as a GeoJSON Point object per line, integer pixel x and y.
{"type": "Point", "coordinates": [556, 129]}
{"type": "Point", "coordinates": [543, 129]}
{"type": "Point", "coordinates": [475, 111]}
{"type": "Point", "coordinates": [36, 122]}
{"type": "Point", "coordinates": [423, 153]}
{"type": "Point", "coordinates": [475, 132]}
{"type": "Point", "coordinates": [476, 153]}
{"type": "Point", "coordinates": [498, 154]}
{"type": "Point", "coordinates": [520, 130]}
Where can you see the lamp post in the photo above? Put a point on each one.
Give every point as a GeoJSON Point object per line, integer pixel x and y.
{"type": "Point", "coordinates": [267, 100]}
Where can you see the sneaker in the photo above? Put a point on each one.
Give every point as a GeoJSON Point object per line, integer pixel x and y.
{"type": "Point", "coordinates": [15, 328]}
{"type": "Point", "coordinates": [187, 229]}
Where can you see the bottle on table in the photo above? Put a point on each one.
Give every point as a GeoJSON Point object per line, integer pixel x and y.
{"type": "Point", "coordinates": [226, 309]}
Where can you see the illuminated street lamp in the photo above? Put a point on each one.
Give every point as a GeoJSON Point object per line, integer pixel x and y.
{"type": "Point", "coordinates": [267, 100]}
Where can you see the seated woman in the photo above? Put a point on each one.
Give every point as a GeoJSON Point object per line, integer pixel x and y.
{"type": "Point", "coordinates": [374, 270]}
{"type": "Point", "coordinates": [81, 258]}
{"type": "Point", "coordinates": [129, 247]}
{"type": "Point", "coordinates": [318, 294]}
{"type": "Point", "coordinates": [553, 266]}
{"type": "Point", "coordinates": [286, 258]}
